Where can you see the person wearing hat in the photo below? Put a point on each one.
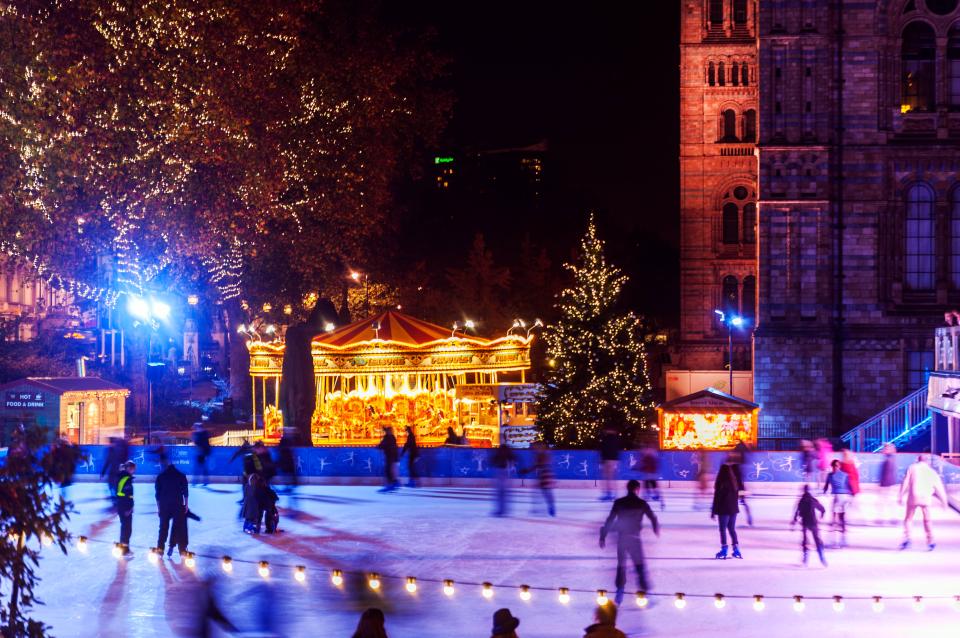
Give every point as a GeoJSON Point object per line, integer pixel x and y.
{"type": "Point", "coordinates": [606, 623]}
{"type": "Point", "coordinates": [504, 624]}
{"type": "Point", "coordinates": [125, 505]}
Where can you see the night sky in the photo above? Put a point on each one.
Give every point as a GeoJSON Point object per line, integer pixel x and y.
{"type": "Point", "coordinates": [599, 82]}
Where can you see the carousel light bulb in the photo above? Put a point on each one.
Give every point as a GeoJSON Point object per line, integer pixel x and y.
{"type": "Point", "coordinates": [329, 327]}
{"type": "Point", "coordinates": [525, 592]}
{"type": "Point", "coordinates": [918, 603]}
{"type": "Point", "coordinates": [680, 602]}
{"type": "Point", "coordinates": [758, 604]}
{"type": "Point", "coordinates": [82, 544]}
{"type": "Point", "coordinates": [117, 550]}
{"type": "Point", "coordinates": [190, 561]}
{"type": "Point", "coordinates": [412, 585]}
{"type": "Point", "coordinates": [838, 603]}
{"type": "Point", "coordinates": [642, 600]}
{"type": "Point", "coordinates": [877, 604]}
{"type": "Point", "coordinates": [300, 574]}
{"type": "Point", "coordinates": [264, 569]}
{"type": "Point", "coordinates": [602, 597]}
{"type": "Point", "coordinates": [373, 580]}
{"type": "Point", "coordinates": [564, 596]}
{"type": "Point", "coordinates": [153, 556]}
{"type": "Point", "coordinates": [719, 601]}
{"type": "Point", "coordinates": [448, 587]}
{"type": "Point", "coordinates": [487, 591]}
{"type": "Point", "coordinates": [798, 604]}
{"type": "Point", "coordinates": [226, 563]}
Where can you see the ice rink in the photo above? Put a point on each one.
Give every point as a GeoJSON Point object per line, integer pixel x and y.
{"type": "Point", "coordinates": [448, 533]}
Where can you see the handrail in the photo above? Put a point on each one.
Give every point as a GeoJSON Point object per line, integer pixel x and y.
{"type": "Point", "coordinates": [895, 423]}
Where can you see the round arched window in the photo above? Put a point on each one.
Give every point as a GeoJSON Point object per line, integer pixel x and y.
{"type": "Point", "coordinates": [740, 192]}
{"type": "Point", "coordinates": [942, 7]}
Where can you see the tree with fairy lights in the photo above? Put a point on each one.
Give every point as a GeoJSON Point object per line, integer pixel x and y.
{"type": "Point", "coordinates": [597, 360]}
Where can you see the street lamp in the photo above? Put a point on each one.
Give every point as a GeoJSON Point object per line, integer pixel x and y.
{"type": "Point", "coordinates": [731, 321]}
{"type": "Point", "coordinates": [366, 288]}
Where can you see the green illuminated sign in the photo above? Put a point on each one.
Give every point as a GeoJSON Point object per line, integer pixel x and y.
{"type": "Point", "coordinates": [443, 160]}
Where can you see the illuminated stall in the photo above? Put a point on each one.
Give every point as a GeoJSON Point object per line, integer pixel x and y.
{"type": "Point", "coordinates": [390, 370]}
{"type": "Point", "coordinates": [707, 420]}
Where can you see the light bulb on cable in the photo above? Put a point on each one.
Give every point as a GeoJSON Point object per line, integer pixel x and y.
{"type": "Point", "coordinates": [918, 603]}
{"type": "Point", "coordinates": [838, 604]}
{"type": "Point", "coordinates": [642, 600]}
{"type": "Point", "coordinates": [46, 540]}
{"type": "Point", "coordinates": [82, 544]}
{"type": "Point", "coordinates": [448, 588]}
{"type": "Point", "coordinates": [798, 604]}
{"type": "Point", "coordinates": [411, 585]}
{"type": "Point", "coordinates": [153, 556]}
{"type": "Point", "coordinates": [877, 604]}
{"type": "Point", "coordinates": [336, 577]}
{"type": "Point", "coordinates": [564, 596]}
{"type": "Point", "coordinates": [226, 563]}
{"type": "Point", "coordinates": [602, 597]}
{"type": "Point", "coordinates": [300, 573]}
{"type": "Point", "coordinates": [680, 602]}
{"type": "Point", "coordinates": [264, 569]}
{"type": "Point", "coordinates": [719, 601]}
{"type": "Point", "coordinates": [956, 603]}
{"type": "Point", "coordinates": [373, 580]}
{"type": "Point", "coordinates": [525, 592]}
{"type": "Point", "coordinates": [117, 550]}
{"type": "Point", "coordinates": [487, 591]}
{"type": "Point", "coordinates": [758, 604]}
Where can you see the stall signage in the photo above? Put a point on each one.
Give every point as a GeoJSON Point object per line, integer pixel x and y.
{"type": "Point", "coordinates": [520, 393]}
{"type": "Point", "coordinates": [25, 400]}
{"type": "Point", "coordinates": [476, 391]}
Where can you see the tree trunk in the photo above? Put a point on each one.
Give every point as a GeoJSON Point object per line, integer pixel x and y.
{"type": "Point", "coordinates": [238, 359]}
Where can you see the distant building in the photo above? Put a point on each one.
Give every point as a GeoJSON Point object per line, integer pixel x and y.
{"type": "Point", "coordinates": [27, 304]}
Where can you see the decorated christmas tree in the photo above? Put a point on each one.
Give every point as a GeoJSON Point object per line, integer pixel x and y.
{"type": "Point", "coordinates": [597, 362]}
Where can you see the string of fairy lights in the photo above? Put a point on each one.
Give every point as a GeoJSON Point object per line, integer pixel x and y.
{"type": "Point", "coordinates": [448, 587]}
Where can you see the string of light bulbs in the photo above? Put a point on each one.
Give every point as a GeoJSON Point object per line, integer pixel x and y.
{"type": "Point", "coordinates": [564, 595]}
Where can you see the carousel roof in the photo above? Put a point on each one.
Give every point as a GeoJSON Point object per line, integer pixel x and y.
{"type": "Point", "coordinates": [388, 326]}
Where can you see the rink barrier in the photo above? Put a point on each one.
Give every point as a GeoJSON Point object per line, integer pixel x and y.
{"type": "Point", "coordinates": [330, 464]}
{"type": "Point", "coordinates": [488, 590]}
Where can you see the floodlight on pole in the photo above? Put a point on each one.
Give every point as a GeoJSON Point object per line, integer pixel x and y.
{"type": "Point", "coordinates": [159, 309]}
{"type": "Point", "coordinates": [138, 308]}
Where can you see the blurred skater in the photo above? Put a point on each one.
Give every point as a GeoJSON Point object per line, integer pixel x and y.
{"type": "Point", "coordinates": [740, 455]}
{"type": "Point", "coordinates": [848, 463]}
{"type": "Point", "coordinates": [287, 464]}
{"type": "Point", "coordinates": [412, 452]}
{"type": "Point", "coordinates": [546, 478]}
{"type": "Point", "coordinates": [702, 499]}
{"type": "Point", "coordinates": [920, 485]}
{"type": "Point", "coordinates": [626, 519]}
{"type": "Point", "coordinates": [125, 505]}
{"type": "Point", "coordinates": [201, 439]}
{"type": "Point", "coordinates": [824, 455]}
{"type": "Point", "coordinates": [650, 467]}
{"type": "Point", "coordinates": [171, 493]}
{"type": "Point", "coordinates": [808, 458]}
{"type": "Point", "coordinates": [888, 486]}
{"type": "Point", "coordinates": [504, 624]}
{"type": "Point", "coordinates": [503, 458]}
{"type": "Point", "coordinates": [116, 457]}
{"type": "Point", "coordinates": [605, 623]}
{"type": "Point", "coordinates": [726, 490]}
{"type": "Point", "coordinates": [62, 464]}
{"type": "Point", "coordinates": [253, 506]}
{"type": "Point", "coordinates": [610, 458]}
{"type": "Point", "coordinates": [391, 460]}
{"type": "Point", "coordinates": [838, 483]}
{"type": "Point", "coordinates": [209, 612]}
{"type": "Point", "coordinates": [371, 624]}
{"type": "Point", "coordinates": [806, 512]}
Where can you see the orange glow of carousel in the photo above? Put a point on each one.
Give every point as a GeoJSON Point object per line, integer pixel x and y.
{"type": "Point", "coordinates": [390, 370]}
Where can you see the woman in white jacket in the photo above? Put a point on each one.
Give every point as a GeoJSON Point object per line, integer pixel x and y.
{"type": "Point", "coordinates": [919, 486]}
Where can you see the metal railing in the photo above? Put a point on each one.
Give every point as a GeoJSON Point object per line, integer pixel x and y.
{"type": "Point", "coordinates": [946, 342]}
{"type": "Point", "coordinates": [897, 424]}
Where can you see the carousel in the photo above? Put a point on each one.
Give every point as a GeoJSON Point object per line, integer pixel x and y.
{"type": "Point", "coordinates": [397, 371]}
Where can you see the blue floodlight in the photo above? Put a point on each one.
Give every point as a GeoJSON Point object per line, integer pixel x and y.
{"type": "Point", "coordinates": [736, 321]}
{"type": "Point", "coordinates": [160, 310]}
{"type": "Point", "coordinates": [720, 314]}
{"type": "Point", "coordinates": [138, 307]}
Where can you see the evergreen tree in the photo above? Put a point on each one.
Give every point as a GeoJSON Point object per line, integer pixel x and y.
{"type": "Point", "coordinates": [597, 359]}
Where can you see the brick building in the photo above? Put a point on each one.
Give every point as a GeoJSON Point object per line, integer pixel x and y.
{"type": "Point", "coordinates": [718, 178]}
{"type": "Point", "coordinates": [858, 241]}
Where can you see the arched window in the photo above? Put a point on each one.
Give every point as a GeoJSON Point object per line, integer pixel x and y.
{"type": "Point", "coordinates": [731, 226]}
{"type": "Point", "coordinates": [721, 77]}
{"type": "Point", "coordinates": [729, 126]}
{"type": "Point", "coordinates": [744, 76]}
{"type": "Point", "coordinates": [730, 301]}
{"type": "Point", "coordinates": [917, 68]}
{"type": "Point", "coordinates": [711, 74]}
{"type": "Point", "coordinates": [735, 74]}
{"type": "Point", "coordinates": [749, 309]}
{"type": "Point", "coordinates": [716, 13]}
{"type": "Point", "coordinates": [953, 66]}
{"type": "Point", "coordinates": [750, 126]}
{"type": "Point", "coordinates": [919, 253]}
{"type": "Point", "coordinates": [739, 12]}
{"type": "Point", "coordinates": [749, 224]}
{"type": "Point", "coordinates": [955, 238]}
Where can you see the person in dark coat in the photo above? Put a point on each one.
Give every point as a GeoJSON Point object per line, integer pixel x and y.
{"type": "Point", "coordinates": [503, 458]}
{"type": "Point", "coordinates": [267, 468]}
{"type": "Point", "coordinates": [201, 439]}
{"type": "Point", "coordinates": [888, 486]}
{"type": "Point", "coordinates": [546, 477]}
{"type": "Point", "coordinates": [116, 457]}
{"type": "Point", "coordinates": [171, 493]}
{"type": "Point", "coordinates": [806, 512]}
{"type": "Point", "coordinates": [626, 519]}
{"type": "Point", "coordinates": [739, 456]}
{"type": "Point", "coordinates": [452, 438]}
{"type": "Point", "coordinates": [650, 467]}
{"type": "Point", "coordinates": [726, 495]}
{"type": "Point", "coordinates": [125, 505]}
{"type": "Point", "coordinates": [412, 452]}
{"type": "Point", "coordinates": [391, 457]}
{"type": "Point", "coordinates": [610, 458]}
{"type": "Point", "coordinates": [253, 508]}
{"type": "Point", "coordinates": [371, 625]}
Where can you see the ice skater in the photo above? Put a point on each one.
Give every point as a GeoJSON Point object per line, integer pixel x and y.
{"type": "Point", "coordinates": [838, 483]}
{"type": "Point", "coordinates": [412, 452]}
{"type": "Point", "coordinates": [806, 512]}
{"type": "Point", "coordinates": [390, 460]}
{"type": "Point", "coordinates": [546, 478]}
{"type": "Point", "coordinates": [888, 486]}
{"type": "Point", "coordinates": [116, 457]}
{"type": "Point", "coordinates": [702, 498]}
{"type": "Point", "coordinates": [809, 459]}
{"type": "Point", "coordinates": [171, 492]}
{"type": "Point", "coordinates": [740, 454]}
{"type": "Point", "coordinates": [610, 458]}
{"type": "Point", "coordinates": [201, 439]}
{"type": "Point", "coordinates": [650, 468]}
{"type": "Point", "coordinates": [920, 485]}
{"type": "Point", "coordinates": [502, 460]}
{"type": "Point", "coordinates": [626, 519]}
{"type": "Point", "coordinates": [125, 506]}
{"type": "Point", "coordinates": [726, 491]}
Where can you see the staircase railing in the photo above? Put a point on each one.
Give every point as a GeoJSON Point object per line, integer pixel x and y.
{"type": "Point", "coordinates": [896, 423]}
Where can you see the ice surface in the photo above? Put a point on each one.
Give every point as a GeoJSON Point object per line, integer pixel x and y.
{"type": "Point", "coordinates": [438, 533]}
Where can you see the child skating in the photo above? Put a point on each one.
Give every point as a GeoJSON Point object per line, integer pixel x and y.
{"type": "Point", "coordinates": [807, 508]}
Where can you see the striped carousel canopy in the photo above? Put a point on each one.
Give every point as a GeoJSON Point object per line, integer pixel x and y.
{"type": "Point", "coordinates": [389, 326]}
